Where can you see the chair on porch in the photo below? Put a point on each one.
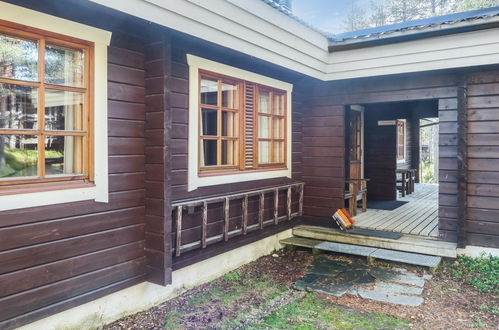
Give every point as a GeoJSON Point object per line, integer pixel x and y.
{"type": "Point", "coordinates": [403, 181]}
{"type": "Point", "coordinates": [356, 189]}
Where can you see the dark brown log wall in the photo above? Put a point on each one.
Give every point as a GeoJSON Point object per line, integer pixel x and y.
{"type": "Point", "coordinates": [483, 160]}
{"type": "Point", "coordinates": [56, 257]}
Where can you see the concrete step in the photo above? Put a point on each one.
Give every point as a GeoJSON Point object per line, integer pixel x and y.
{"type": "Point", "coordinates": [405, 243]}
{"type": "Point", "coordinates": [377, 253]}
{"type": "Point", "coordinates": [300, 241]}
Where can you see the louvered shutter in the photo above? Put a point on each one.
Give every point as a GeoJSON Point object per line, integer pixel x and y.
{"type": "Point", "coordinates": [249, 125]}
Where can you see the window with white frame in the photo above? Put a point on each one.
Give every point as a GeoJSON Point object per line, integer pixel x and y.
{"type": "Point", "coordinates": [53, 106]}
{"type": "Point", "coordinates": [239, 123]}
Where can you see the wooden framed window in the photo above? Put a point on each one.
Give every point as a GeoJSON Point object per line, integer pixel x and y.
{"type": "Point", "coordinates": [242, 125]}
{"type": "Point", "coordinates": [219, 109]}
{"type": "Point", "coordinates": [271, 127]}
{"type": "Point", "coordinates": [401, 140]}
{"type": "Point", "coordinates": [45, 112]}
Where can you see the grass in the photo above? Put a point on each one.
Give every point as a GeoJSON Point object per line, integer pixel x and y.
{"type": "Point", "coordinates": [315, 312]}
{"type": "Point", "coordinates": [482, 273]}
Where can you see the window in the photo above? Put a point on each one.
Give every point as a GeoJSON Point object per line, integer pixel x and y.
{"type": "Point", "coordinates": [242, 124]}
{"type": "Point", "coordinates": [45, 108]}
{"type": "Point", "coordinates": [401, 140]}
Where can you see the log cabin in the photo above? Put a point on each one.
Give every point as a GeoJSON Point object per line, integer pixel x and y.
{"type": "Point", "coordinates": [149, 146]}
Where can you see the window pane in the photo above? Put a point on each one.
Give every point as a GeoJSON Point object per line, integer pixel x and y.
{"type": "Point", "coordinates": [18, 107]}
{"type": "Point", "coordinates": [278, 155]}
{"type": "Point", "coordinates": [278, 128]}
{"type": "Point", "coordinates": [228, 152]}
{"type": "Point", "coordinates": [18, 156]}
{"type": "Point", "coordinates": [209, 92]}
{"type": "Point", "coordinates": [278, 104]}
{"type": "Point", "coordinates": [264, 152]}
{"type": "Point", "coordinates": [209, 122]}
{"type": "Point", "coordinates": [229, 96]}
{"type": "Point", "coordinates": [209, 153]}
{"type": "Point", "coordinates": [63, 155]}
{"type": "Point", "coordinates": [228, 124]}
{"type": "Point", "coordinates": [63, 110]}
{"type": "Point", "coordinates": [64, 66]}
{"type": "Point", "coordinates": [18, 59]}
{"type": "Point", "coordinates": [263, 127]}
{"type": "Point", "coordinates": [264, 102]}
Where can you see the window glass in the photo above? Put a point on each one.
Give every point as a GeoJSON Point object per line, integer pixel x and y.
{"type": "Point", "coordinates": [228, 152]}
{"type": "Point", "coordinates": [264, 102]}
{"type": "Point", "coordinates": [63, 155]}
{"type": "Point", "coordinates": [18, 58]}
{"type": "Point", "coordinates": [264, 152]}
{"type": "Point", "coordinates": [278, 128]}
{"type": "Point", "coordinates": [278, 104]}
{"type": "Point", "coordinates": [229, 96]}
{"type": "Point", "coordinates": [209, 122]}
{"type": "Point", "coordinates": [63, 110]}
{"type": "Point", "coordinates": [64, 66]}
{"type": "Point", "coordinates": [209, 92]}
{"type": "Point", "coordinates": [228, 124]}
{"type": "Point", "coordinates": [209, 153]}
{"type": "Point", "coordinates": [278, 152]}
{"type": "Point", "coordinates": [18, 156]}
{"type": "Point", "coordinates": [18, 107]}
{"type": "Point", "coordinates": [263, 127]}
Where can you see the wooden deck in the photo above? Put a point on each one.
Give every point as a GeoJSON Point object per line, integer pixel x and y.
{"type": "Point", "coordinates": [417, 217]}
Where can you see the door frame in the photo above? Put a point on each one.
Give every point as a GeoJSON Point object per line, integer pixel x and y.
{"type": "Point", "coordinates": [360, 108]}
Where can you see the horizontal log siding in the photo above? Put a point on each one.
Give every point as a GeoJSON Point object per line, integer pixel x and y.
{"type": "Point", "coordinates": [483, 157]}
{"type": "Point", "coordinates": [56, 257]}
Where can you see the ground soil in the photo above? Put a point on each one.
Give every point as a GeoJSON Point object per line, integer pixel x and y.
{"type": "Point", "coordinates": [224, 303]}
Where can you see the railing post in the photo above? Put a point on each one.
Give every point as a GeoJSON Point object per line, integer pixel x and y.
{"type": "Point", "coordinates": [261, 209]}
{"type": "Point", "coordinates": [204, 224]}
{"type": "Point", "coordinates": [226, 224]}
{"type": "Point", "coordinates": [179, 230]}
{"type": "Point", "coordinates": [245, 215]}
{"type": "Point", "coordinates": [276, 206]}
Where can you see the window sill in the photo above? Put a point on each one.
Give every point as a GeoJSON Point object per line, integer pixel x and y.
{"type": "Point", "coordinates": [238, 172]}
{"type": "Point", "coordinates": [43, 187]}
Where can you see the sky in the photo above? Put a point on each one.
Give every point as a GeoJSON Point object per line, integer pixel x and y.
{"type": "Point", "coordinates": [326, 15]}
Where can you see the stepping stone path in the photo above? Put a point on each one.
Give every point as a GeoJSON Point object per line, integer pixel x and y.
{"type": "Point", "coordinates": [389, 285]}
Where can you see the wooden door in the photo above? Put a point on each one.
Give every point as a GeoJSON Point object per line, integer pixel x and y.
{"type": "Point", "coordinates": [356, 143]}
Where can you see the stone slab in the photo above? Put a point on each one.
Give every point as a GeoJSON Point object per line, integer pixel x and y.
{"type": "Point", "coordinates": [390, 298]}
{"type": "Point", "coordinates": [407, 257]}
{"type": "Point", "coordinates": [346, 248]}
{"type": "Point", "coordinates": [395, 277]}
{"type": "Point", "coordinates": [393, 288]}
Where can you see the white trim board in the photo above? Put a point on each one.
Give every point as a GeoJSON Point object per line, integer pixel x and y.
{"type": "Point", "coordinates": [146, 295]}
{"type": "Point", "coordinates": [194, 180]}
{"type": "Point", "coordinates": [101, 40]}
{"type": "Point", "coordinates": [254, 28]}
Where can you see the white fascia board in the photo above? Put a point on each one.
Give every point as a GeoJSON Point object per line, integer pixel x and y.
{"type": "Point", "coordinates": [445, 52]}
{"type": "Point", "coordinates": [193, 19]}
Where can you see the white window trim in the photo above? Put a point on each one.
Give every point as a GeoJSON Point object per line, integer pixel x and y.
{"type": "Point", "coordinates": [101, 40]}
{"type": "Point", "coordinates": [194, 180]}
{"type": "Point", "coordinates": [401, 161]}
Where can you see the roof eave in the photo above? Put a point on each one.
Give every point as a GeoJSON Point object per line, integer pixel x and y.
{"type": "Point", "coordinates": [410, 35]}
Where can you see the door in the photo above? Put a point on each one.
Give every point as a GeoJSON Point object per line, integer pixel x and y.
{"type": "Point", "coordinates": [356, 142]}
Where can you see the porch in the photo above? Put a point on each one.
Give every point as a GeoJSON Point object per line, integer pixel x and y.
{"type": "Point", "coordinates": [417, 216]}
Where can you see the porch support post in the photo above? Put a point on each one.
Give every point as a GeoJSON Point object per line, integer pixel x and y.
{"type": "Point", "coordinates": [462, 161]}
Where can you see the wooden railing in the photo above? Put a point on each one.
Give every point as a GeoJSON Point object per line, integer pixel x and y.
{"type": "Point", "coordinates": [179, 206]}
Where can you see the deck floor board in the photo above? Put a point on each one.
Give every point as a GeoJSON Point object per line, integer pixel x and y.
{"type": "Point", "coordinates": [417, 217]}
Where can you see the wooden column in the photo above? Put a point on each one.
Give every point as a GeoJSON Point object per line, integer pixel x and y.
{"type": "Point", "coordinates": [462, 161]}
{"type": "Point", "coordinates": [158, 159]}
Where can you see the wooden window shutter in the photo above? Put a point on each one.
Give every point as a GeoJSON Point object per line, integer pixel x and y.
{"type": "Point", "coordinates": [249, 125]}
